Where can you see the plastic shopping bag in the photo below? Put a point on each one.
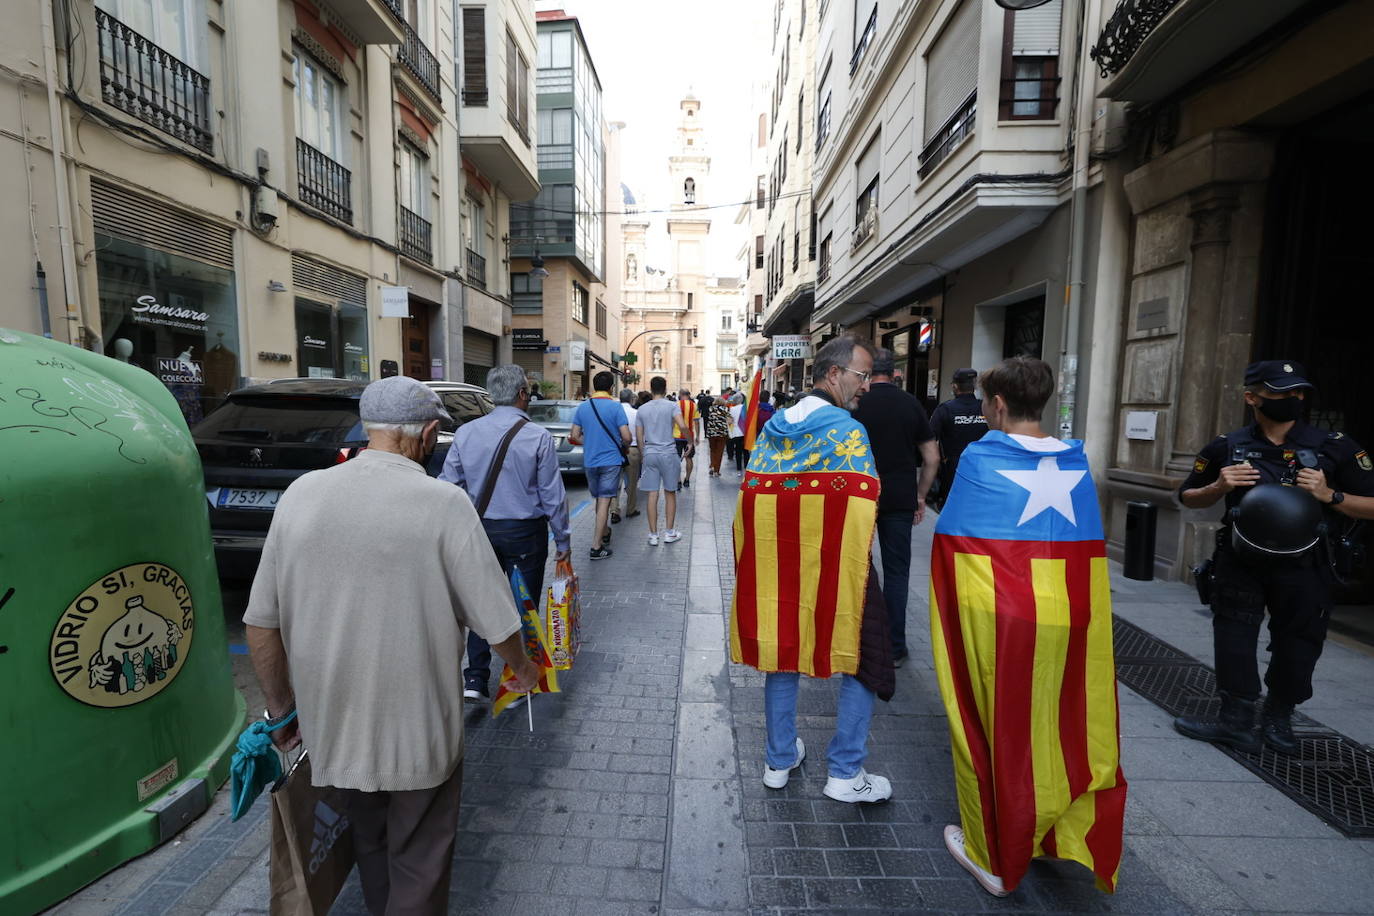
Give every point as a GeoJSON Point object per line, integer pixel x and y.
{"type": "Point", "coordinates": [564, 616]}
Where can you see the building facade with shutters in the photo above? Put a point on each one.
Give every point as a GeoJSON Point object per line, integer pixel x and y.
{"type": "Point", "coordinates": [943, 181]}
{"type": "Point", "coordinates": [233, 185]}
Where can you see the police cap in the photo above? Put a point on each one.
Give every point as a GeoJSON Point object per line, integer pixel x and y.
{"type": "Point", "coordinates": [965, 375]}
{"type": "Point", "coordinates": [1277, 375]}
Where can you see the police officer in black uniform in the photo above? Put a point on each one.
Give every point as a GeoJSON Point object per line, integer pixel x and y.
{"type": "Point", "coordinates": [956, 423]}
{"type": "Point", "coordinates": [1278, 448]}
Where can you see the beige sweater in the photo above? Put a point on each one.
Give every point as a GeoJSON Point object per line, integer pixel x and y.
{"type": "Point", "coordinates": [372, 571]}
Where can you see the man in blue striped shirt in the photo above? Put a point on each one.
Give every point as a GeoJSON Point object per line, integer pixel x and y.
{"type": "Point", "coordinates": [527, 500]}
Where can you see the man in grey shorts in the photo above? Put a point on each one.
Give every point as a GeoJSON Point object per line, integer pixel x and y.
{"type": "Point", "coordinates": [658, 454]}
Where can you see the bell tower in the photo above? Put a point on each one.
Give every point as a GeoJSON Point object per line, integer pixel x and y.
{"type": "Point", "coordinates": [689, 168]}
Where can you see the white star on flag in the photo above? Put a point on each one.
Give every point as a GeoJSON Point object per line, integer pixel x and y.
{"type": "Point", "coordinates": [1050, 488]}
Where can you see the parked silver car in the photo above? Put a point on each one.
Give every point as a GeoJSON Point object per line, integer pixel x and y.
{"type": "Point", "coordinates": [557, 418]}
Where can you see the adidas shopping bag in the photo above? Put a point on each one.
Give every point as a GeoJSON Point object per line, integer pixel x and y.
{"type": "Point", "coordinates": [312, 844]}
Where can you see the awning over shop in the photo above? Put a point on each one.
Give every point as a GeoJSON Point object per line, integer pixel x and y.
{"type": "Point", "coordinates": [794, 312]}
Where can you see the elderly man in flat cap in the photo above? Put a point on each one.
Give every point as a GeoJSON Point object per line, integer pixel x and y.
{"type": "Point", "coordinates": [371, 573]}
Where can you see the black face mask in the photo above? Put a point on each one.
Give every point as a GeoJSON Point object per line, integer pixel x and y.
{"type": "Point", "coordinates": [1281, 410]}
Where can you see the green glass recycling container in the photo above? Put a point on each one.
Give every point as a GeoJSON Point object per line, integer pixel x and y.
{"type": "Point", "coordinates": [119, 709]}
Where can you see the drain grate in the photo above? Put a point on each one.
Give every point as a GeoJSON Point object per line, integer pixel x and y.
{"type": "Point", "coordinates": [1332, 776]}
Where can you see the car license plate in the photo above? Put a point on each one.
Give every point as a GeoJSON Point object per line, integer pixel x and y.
{"type": "Point", "coordinates": [236, 498]}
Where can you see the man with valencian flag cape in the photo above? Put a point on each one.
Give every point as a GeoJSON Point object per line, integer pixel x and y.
{"type": "Point", "coordinates": [1021, 628]}
{"type": "Point", "coordinates": [804, 602]}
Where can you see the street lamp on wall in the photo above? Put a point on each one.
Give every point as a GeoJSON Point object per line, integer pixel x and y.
{"type": "Point", "coordinates": [537, 269]}
{"type": "Point", "coordinates": [1020, 4]}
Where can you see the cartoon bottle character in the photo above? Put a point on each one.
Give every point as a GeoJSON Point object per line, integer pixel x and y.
{"type": "Point", "coordinates": [127, 658]}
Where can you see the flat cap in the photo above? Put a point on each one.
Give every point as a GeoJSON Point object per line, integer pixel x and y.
{"type": "Point", "coordinates": [400, 399]}
{"type": "Point", "coordinates": [965, 375]}
{"type": "Point", "coordinates": [1277, 375]}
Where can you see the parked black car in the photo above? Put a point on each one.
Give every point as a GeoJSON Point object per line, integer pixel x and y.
{"type": "Point", "coordinates": [263, 437]}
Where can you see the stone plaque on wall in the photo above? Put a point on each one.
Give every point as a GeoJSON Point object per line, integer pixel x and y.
{"type": "Point", "coordinates": [1149, 372]}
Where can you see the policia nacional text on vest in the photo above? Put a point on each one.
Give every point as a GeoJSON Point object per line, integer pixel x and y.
{"type": "Point", "coordinates": [1263, 562]}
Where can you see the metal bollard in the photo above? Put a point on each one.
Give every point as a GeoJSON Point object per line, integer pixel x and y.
{"type": "Point", "coordinates": [1139, 559]}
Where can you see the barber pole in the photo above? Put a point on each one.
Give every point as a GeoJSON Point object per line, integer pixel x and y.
{"type": "Point", "coordinates": [927, 336]}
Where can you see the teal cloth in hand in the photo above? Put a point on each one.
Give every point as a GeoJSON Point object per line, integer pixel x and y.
{"type": "Point", "coordinates": [255, 766]}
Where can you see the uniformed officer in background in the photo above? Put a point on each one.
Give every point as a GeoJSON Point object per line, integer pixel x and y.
{"type": "Point", "coordinates": [956, 423]}
{"type": "Point", "coordinates": [1278, 448]}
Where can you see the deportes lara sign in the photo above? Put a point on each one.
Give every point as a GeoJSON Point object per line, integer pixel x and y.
{"type": "Point", "coordinates": [791, 346]}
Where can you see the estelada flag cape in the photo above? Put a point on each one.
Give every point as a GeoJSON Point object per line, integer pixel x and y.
{"type": "Point", "coordinates": [803, 531]}
{"type": "Point", "coordinates": [532, 631]}
{"type": "Point", "coordinates": [1021, 627]}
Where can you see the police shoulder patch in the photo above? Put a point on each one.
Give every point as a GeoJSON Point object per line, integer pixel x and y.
{"type": "Point", "coordinates": [1336, 435]}
{"type": "Point", "coordinates": [1199, 464]}
{"type": "Point", "coordinates": [1362, 458]}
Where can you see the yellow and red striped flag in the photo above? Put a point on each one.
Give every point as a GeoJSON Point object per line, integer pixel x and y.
{"type": "Point", "coordinates": [803, 531]}
{"type": "Point", "coordinates": [1021, 628]}
{"type": "Point", "coordinates": [535, 648]}
{"type": "Point", "coordinates": [751, 416]}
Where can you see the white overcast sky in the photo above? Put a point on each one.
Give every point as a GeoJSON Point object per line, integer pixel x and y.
{"type": "Point", "coordinates": [649, 53]}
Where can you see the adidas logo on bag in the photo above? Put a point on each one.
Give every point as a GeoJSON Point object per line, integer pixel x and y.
{"type": "Point", "coordinates": [329, 826]}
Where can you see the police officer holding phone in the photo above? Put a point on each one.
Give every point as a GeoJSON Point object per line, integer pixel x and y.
{"type": "Point", "coordinates": [1250, 574]}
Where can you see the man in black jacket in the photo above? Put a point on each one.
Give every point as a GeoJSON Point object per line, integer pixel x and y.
{"type": "Point", "coordinates": [903, 444]}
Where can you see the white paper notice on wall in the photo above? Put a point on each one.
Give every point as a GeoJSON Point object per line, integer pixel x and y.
{"type": "Point", "coordinates": [1140, 424]}
{"type": "Point", "coordinates": [395, 302]}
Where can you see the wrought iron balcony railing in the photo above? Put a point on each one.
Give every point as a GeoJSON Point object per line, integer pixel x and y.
{"type": "Point", "coordinates": [954, 130]}
{"type": "Point", "coordinates": [323, 183]}
{"type": "Point", "coordinates": [477, 269]}
{"type": "Point", "coordinates": [1128, 26]}
{"type": "Point", "coordinates": [421, 63]}
{"type": "Point", "coordinates": [864, 40]}
{"type": "Point", "coordinates": [416, 236]}
{"type": "Point", "coordinates": [138, 77]}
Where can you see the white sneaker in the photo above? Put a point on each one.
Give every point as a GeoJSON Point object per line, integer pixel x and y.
{"type": "Point", "coordinates": [862, 787]}
{"type": "Point", "coordinates": [472, 693]}
{"type": "Point", "coordinates": [776, 779]}
{"type": "Point", "coordinates": [954, 842]}
{"type": "Point", "coordinates": [653, 540]}
{"type": "Point", "coordinates": [671, 535]}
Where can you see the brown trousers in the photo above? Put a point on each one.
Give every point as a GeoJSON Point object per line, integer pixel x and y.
{"type": "Point", "coordinates": [717, 450]}
{"type": "Point", "coordinates": [404, 843]}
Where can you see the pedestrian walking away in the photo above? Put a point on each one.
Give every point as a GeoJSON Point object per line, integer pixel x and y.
{"type": "Point", "coordinates": [508, 466]}
{"type": "Point", "coordinates": [805, 601]}
{"type": "Point", "coordinates": [599, 427]}
{"type": "Point", "coordinates": [630, 477]}
{"type": "Point", "coordinates": [657, 421]}
{"type": "Point", "coordinates": [717, 423]}
{"type": "Point", "coordinates": [956, 423]}
{"type": "Point", "coordinates": [685, 436]}
{"type": "Point", "coordinates": [737, 452]}
{"type": "Point", "coordinates": [1285, 569]}
{"type": "Point", "coordinates": [370, 573]}
{"type": "Point", "coordinates": [1021, 628]}
{"type": "Point", "coordinates": [906, 455]}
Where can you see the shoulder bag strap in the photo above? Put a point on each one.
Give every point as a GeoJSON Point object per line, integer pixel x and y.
{"type": "Point", "coordinates": [615, 436]}
{"type": "Point", "coordinates": [497, 463]}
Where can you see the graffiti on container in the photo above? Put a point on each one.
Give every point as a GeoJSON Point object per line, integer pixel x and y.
{"type": "Point", "coordinates": [124, 638]}
{"type": "Point", "coordinates": [88, 419]}
{"type": "Point", "coordinates": [4, 600]}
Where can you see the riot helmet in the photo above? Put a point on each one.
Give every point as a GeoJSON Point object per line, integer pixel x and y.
{"type": "Point", "coordinates": [1275, 521]}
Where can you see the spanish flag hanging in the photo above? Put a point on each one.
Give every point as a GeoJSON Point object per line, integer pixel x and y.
{"type": "Point", "coordinates": [1021, 627]}
{"type": "Point", "coordinates": [803, 530]}
{"type": "Point", "coordinates": [751, 416]}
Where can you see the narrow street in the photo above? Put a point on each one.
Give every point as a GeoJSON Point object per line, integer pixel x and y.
{"type": "Point", "coordinates": [639, 792]}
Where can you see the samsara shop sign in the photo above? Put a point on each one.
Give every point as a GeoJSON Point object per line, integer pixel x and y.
{"type": "Point", "coordinates": [147, 309]}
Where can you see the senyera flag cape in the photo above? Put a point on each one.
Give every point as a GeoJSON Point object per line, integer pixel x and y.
{"type": "Point", "coordinates": [803, 531]}
{"type": "Point", "coordinates": [1021, 626]}
{"type": "Point", "coordinates": [532, 630]}
{"type": "Point", "coordinates": [751, 414]}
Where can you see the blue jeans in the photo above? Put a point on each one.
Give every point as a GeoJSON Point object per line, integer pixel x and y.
{"type": "Point", "coordinates": [847, 748]}
{"type": "Point", "coordinates": [894, 542]}
{"type": "Point", "coordinates": [518, 542]}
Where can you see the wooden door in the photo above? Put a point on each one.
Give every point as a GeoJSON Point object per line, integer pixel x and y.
{"type": "Point", "coordinates": [415, 341]}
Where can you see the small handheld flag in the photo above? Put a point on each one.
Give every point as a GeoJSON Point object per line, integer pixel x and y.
{"type": "Point", "coordinates": [534, 648]}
